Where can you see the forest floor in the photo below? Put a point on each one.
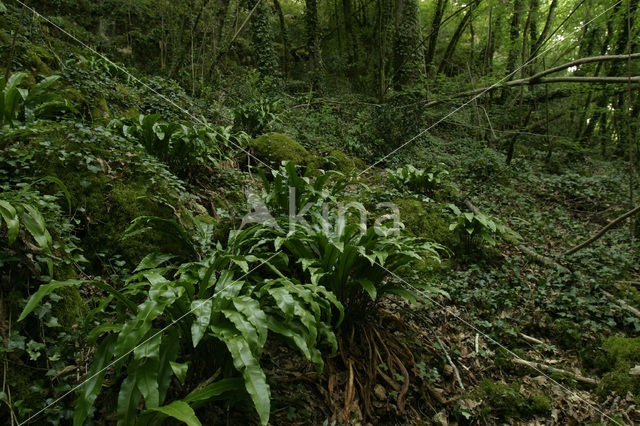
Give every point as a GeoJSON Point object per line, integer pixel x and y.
{"type": "Point", "coordinates": [494, 337]}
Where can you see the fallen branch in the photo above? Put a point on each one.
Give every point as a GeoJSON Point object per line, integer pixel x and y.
{"type": "Point", "coordinates": [532, 339]}
{"type": "Point", "coordinates": [602, 231]}
{"type": "Point", "coordinates": [538, 78]}
{"type": "Point", "coordinates": [540, 366]}
{"type": "Point", "coordinates": [455, 369]}
{"type": "Point", "coordinates": [543, 260]}
{"type": "Point", "coordinates": [622, 303]}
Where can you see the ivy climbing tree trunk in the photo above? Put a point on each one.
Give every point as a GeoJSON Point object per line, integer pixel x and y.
{"type": "Point", "coordinates": [407, 60]}
{"type": "Point", "coordinates": [265, 56]}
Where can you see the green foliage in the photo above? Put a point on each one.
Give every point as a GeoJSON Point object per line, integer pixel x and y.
{"type": "Point", "coordinates": [286, 188]}
{"type": "Point", "coordinates": [476, 230]}
{"type": "Point", "coordinates": [275, 148]}
{"type": "Point", "coordinates": [177, 144]}
{"type": "Point", "coordinates": [254, 117]}
{"type": "Point", "coordinates": [219, 298]}
{"type": "Point", "coordinates": [18, 104]}
{"type": "Point", "coordinates": [349, 259]}
{"type": "Point", "coordinates": [426, 221]}
{"type": "Point", "coordinates": [422, 181]}
{"type": "Point", "coordinates": [17, 212]}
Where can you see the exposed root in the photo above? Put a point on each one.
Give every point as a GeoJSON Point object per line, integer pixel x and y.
{"type": "Point", "coordinates": [380, 374]}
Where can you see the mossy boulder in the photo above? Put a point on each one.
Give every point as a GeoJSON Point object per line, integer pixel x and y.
{"type": "Point", "coordinates": [274, 148]}
{"type": "Point", "coordinates": [621, 354]}
{"type": "Point", "coordinates": [425, 222]}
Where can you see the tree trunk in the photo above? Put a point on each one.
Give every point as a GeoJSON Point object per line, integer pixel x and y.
{"type": "Point", "coordinates": [313, 44]}
{"type": "Point", "coordinates": [435, 31]}
{"type": "Point", "coordinates": [352, 48]}
{"type": "Point", "coordinates": [445, 65]}
{"type": "Point", "coordinates": [514, 33]}
{"type": "Point", "coordinates": [284, 38]}
{"type": "Point", "coordinates": [407, 60]}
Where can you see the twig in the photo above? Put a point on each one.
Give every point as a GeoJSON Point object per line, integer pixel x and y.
{"type": "Point", "coordinates": [532, 339]}
{"type": "Point", "coordinates": [455, 369]}
{"type": "Point", "coordinates": [622, 303]}
{"type": "Point", "coordinates": [540, 366]}
{"type": "Point", "coordinates": [602, 231]}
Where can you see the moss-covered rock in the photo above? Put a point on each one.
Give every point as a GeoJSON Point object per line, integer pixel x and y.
{"type": "Point", "coordinates": [274, 148]}
{"type": "Point", "coordinates": [621, 354]}
{"type": "Point", "coordinates": [425, 222]}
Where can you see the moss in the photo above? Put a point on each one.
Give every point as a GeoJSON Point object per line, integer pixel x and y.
{"type": "Point", "coordinates": [275, 147]}
{"type": "Point", "coordinates": [108, 204]}
{"type": "Point", "coordinates": [75, 97]}
{"type": "Point", "coordinates": [32, 58]}
{"type": "Point", "coordinates": [4, 38]}
{"type": "Point", "coordinates": [341, 161]}
{"type": "Point", "coordinates": [506, 400]}
{"type": "Point", "coordinates": [539, 403]}
{"type": "Point", "coordinates": [425, 222]}
{"type": "Point", "coordinates": [131, 113]}
{"type": "Point", "coordinates": [620, 355]}
{"type": "Point", "coordinates": [100, 109]}
{"type": "Point", "coordinates": [112, 214]}
{"type": "Point", "coordinates": [70, 308]}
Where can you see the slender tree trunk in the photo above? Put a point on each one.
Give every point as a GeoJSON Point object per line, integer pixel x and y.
{"type": "Point", "coordinates": [382, 39]}
{"type": "Point", "coordinates": [545, 31]}
{"type": "Point", "coordinates": [487, 65]}
{"type": "Point", "coordinates": [435, 31]}
{"type": "Point", "coordinates": [313, 43]}
{"type": "Point", "coordinates": [352, 48]}
{"type": "Point", "coordinates": [284, 38]}
{"type": "Point", "coordinates": [514, 33]}
{"type": "Point", "coordinates": [445, 65]}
